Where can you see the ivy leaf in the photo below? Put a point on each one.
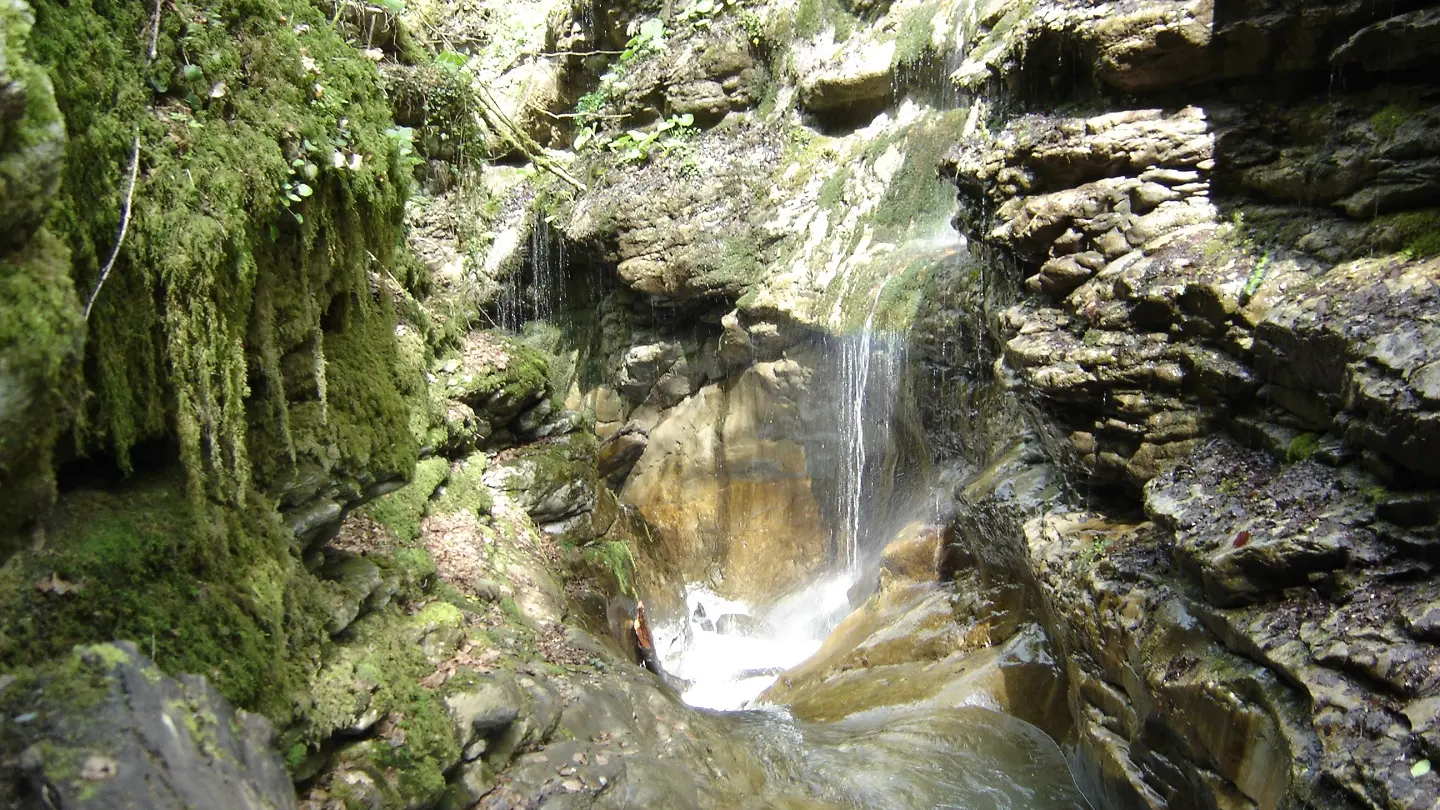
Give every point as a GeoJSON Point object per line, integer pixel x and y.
{"type": "Point", "coordinates": [304, 190]}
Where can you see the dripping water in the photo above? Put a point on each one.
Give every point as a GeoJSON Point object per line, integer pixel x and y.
{"type": "Point", "coordinates": [536, 291]}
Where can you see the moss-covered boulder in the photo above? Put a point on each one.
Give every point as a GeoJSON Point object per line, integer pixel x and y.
{"type": "Point", "coordinates": [32, 134]}
{"type": "Point", "coordinates": [105, 727]}
{"type": "Point", "coordinates": [495, 375]}
{"type": "Point", "coordinates": [552, 479]}
{"type": "Point", "coordinates": [218, 594]}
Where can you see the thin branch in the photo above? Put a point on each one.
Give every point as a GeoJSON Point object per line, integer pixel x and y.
{"type": "Point", "coordinates": [579, 53]}
{"type": "Point", "coordinates": [517, 138]}
{"type": "Point", "coordinates": [562, 116]}
{"type": "Point", "coordinates": [154, 31]}
{"type": "Point", "coordinates": [124, 223]}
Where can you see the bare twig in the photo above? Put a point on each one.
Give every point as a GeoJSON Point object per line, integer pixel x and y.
{"type": "Point", "coordinates": [124, 223]}
{"type": "Point", "coordinates": [154, 31]}
{"type": "Point", "coordinates": [562, 116]}
{"type": "Point", "coordinates": [579, 53]}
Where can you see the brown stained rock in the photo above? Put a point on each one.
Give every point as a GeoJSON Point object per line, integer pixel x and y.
{"type": "Point", "coordinates": [724, 481]}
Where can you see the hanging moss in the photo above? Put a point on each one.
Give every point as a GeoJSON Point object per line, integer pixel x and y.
{"type": "Point", "coordinates": [241, 104]}
{"type": "Point", "coordinates": [39, 345]}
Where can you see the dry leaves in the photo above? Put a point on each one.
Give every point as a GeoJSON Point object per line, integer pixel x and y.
{"type": "Point", "coordinates": [471, 656]}
{"type": "Point", "coordinates": [483, 349]}
{"type": "Point", "coordinates": [360, 535]}
{"type": "Point", "coordinates": [54, 584]}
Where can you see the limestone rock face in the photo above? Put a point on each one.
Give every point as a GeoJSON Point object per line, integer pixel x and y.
{"type": "Point", "coordinates": [856, 76]}
{"type": "Point", "coordinates": [107, 728]}
{"type": "Point", "coordinates": [724, 481]}
{"type": "Point", "coordinates": [1227, 309]}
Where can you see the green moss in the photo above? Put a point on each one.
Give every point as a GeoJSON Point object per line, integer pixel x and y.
{"type": "Point", "coordinates": [221, 597]}
{"type": "Point", "coordinates": [1387, 120]}
{"type": "Point", "coordinates": [913, 38]}
{"type": "Point", "coordinates": [497, 391]}
{"type": "Point", "coordinates": [737, 263]}
{"type": "Point", "coordinates": [214, 262]}
{"type": "Point", "coordinates": [1302, 447]}
{"type": "Point", "coordinates": [40, 345]}
{"type": "Point", "coordinates": [401, 510]}
{"type": "Point", "coordinates": [814, 16]}
{"type": "Point", "coordinates": [465, 490]}
{"type": "Point", "coordinates": [916, 196]}
{"type": "Point", "coordinates": [615, 559]}
{"type": "Point", "coordinates": [383, 663]}
{"type": "Point", "coordinates": [1417, 232]}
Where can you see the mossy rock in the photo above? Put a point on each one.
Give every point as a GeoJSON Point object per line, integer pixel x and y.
{"type": "Point", "coordinates": [465, 489]}
{"type": "Point", "coordinates": [495, 375]}
{"type": "Point", "coordinates": [103, 727]}
{"type": "Point", "coordinates": [40, 346]}
{"type": "Point", "coordinates": [401, 510]}
{"type": "Point", "coordinates": [32, 134]}
{"type": "Point", "coordinates": [218, 595]}
{"type": "Point", "coordinates": [551, 480]}
{"type": "Point", "coordinates": [376, 673]}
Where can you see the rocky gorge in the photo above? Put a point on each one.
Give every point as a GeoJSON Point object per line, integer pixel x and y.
{"type": "Point", "coordinates": [1055, 383]}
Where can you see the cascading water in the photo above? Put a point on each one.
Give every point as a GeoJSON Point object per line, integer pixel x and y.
{"type": "Point", "coordinates": [862, 408]}
{"type": "Point", "coordinates": [536, 291]}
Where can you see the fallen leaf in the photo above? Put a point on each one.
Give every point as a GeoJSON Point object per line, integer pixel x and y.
{"type": "Point", "coordinates": [54, 584]}
{"type": "Point", "coordinates": [1420, 768]}
{"type": "Point", "coordinates": [98, 768]}
{"type": "Point", "coordinates": [1242, 538]}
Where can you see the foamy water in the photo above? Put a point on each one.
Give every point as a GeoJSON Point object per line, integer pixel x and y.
{"type": "Point", "coordinates": [728, 670]}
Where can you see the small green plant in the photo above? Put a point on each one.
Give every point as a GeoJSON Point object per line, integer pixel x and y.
{"type": "Point", "coordinates": [403, 138]}
{"type": "Point", "coordinates": [296, 189]}
{"type": "Point", "coordinates": [1302, 447]}
{"type": "Point", "coordinates": [754, 26]}
{"type": "Point", "coordinates": [1257, 277]}
{"type": "Point", "coordinates": [645, 38]}
{"type": "Point", "coordinates": [452, 61]}
{"type": "Point", "coordinates": [699, 12]}
{"type": "Point", "coordinates": [1095, 549]}
{"type": "Point", "coordinates": [636, 146]}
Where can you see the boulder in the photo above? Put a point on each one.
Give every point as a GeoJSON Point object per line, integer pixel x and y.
{"type": "Point", "coordinates": [107, 728]}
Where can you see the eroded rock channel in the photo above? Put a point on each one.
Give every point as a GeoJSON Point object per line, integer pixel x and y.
{"type": "Point", "coordinates": [719, 404]}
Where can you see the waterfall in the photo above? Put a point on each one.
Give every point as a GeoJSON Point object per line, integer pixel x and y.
{"type": "Point", "coordinates": [536, 291]}
{"type": "Point", "coordinates": [869, 376]}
